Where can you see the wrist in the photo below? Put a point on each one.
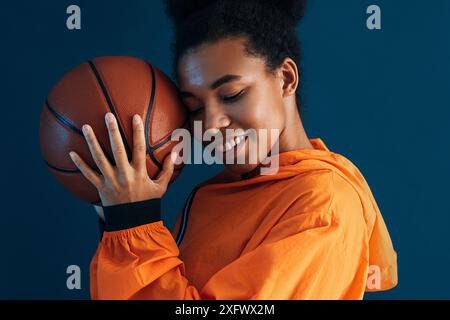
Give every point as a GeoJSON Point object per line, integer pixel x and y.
{"type": "Point", "coordinates": [99, 210]}
{"type": "Point", "coordinates": [133, 214]}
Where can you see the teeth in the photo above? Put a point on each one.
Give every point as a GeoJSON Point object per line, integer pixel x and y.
{"type": "Point", "coordinates": [230, 144]}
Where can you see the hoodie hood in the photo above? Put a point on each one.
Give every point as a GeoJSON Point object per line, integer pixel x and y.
{"type": "Point", "coordinates": [382, 273]}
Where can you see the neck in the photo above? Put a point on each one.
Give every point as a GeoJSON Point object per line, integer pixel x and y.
{"type": "Point", "coordinates": [293, 136]}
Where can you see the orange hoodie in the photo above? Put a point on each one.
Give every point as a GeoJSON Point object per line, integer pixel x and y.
{"type": "Point", "coordinates": [311, 231]}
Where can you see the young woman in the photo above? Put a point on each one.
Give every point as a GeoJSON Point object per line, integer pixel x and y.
{"type": "Point", "coordinates": [311, 231]}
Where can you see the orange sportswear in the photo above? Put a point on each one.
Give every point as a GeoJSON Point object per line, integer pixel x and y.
{"type": "Point", "coordinates": [311, 231]}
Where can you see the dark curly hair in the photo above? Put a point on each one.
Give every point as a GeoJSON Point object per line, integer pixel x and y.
{"type": "Point", "coordinates": [269, 27]}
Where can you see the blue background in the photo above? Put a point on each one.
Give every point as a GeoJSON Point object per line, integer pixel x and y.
{"type": "Point", "coordinates": [379, 97]}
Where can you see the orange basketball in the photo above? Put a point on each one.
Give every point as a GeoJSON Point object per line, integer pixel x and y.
{"type": "Point", "coordinates": [124, 86]}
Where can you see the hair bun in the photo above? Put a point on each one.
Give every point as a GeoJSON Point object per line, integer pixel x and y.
{"type": "Point", "coordinates": [292, 8]}
{"type": "Point", "coordinates": [179, 10]}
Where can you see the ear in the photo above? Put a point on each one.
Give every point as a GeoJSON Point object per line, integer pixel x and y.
{"type": "Point", "coordinates": [289, 78]}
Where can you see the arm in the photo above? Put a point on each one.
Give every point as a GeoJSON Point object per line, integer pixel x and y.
{"type": "Point", "coordinates": [138, 258]}
{"type": "Point", "coordinates": [126, 182]}
{"type": "Point", "coordinates": [305, 256]}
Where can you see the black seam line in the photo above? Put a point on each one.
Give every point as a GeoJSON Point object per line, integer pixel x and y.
{"type": "Point", "coordinates": [148, 115]}
{"type": "Point", "coordinates": [62, 169]}
{"type": "Point", "coordinates": [160, 144]}
{"type": "Point", "coordinates": [111, 106]}
{"type": "Point", "coordinates": [151, 149]}
{"type": "Point", "coordinates": [155, 176]}
{"type": "Point", "coordinates": [74, 171]}
{"type": "Point", "coordinates": [69, 124]}
{"type": "Point", "coordinates": [65, 122]}
{"type": "Point", "coordinates": [158, 164]}
{"type": "Point", "coordinates": [187, 208]}
{"type": "Point", "coordinates": [69, 170]}
{"type": "Point", "coordinates": [166, 139]}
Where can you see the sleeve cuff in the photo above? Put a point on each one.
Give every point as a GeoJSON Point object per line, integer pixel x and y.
{"type": "Point", "coordinates": [101, 227]}
{"type": "Point", "coordinates": [130, 215]}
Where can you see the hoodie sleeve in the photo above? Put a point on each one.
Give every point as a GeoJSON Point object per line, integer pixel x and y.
{"type": "Point", "coordinates": [317, 254]}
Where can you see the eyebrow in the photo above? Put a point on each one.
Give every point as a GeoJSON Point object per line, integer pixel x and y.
{"type": "Point", "coordinates": [226, 78]}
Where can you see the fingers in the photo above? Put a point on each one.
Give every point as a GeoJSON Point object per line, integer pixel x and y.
{"type": "Point", "coordinates": [117, 146]}
{"type": "Point", "coordinates": [96, 151]}
{"type": "Point", "coordinates": [167, 171]}
{"type": "Point", "coordinates": [89, 174]}
{"type": "Point", "coordinates": [139, 146]}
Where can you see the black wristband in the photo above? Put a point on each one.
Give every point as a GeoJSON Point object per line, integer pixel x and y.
{"type": "Point", "coordinates": [101, 227]}
{"type": "Point", "coordinates": [133, 214]}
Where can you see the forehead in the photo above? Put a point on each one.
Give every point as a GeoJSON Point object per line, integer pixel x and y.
{"type": "Point", "coordinates": [208, 62]}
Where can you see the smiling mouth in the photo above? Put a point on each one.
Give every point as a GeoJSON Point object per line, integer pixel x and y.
{"type": "Point", "coordinates": [232, 143]}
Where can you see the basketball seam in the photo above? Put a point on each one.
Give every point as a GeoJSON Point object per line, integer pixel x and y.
{"type": "Point", "coordinates": [66, 123]}
{"type": "Point", "coordinates": [149, 116]}
{"type": "Point", "coordinates": [147, 119]}
{"type": "Point", "coordinates": [62, 169]}
{"type": "Point", "coordinates": [163, 140]}
{"type": "Point", "coordinates": [73, 171]}
{"type": "Point", "coordinates": [110, 105]}
{"type": "Point", "coordinates": [68, 170]}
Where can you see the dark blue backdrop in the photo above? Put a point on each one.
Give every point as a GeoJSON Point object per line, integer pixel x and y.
{"type": "Point", "coordinates": [380, 97]}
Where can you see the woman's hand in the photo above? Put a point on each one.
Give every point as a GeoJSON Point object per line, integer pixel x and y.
{"type": "Point", "coordinates": [127, 181]}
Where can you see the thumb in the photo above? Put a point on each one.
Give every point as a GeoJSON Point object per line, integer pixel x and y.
{"type": "Point", "coordinates": [167, 170]}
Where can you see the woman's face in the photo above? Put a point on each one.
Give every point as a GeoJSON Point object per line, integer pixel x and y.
{"type": "Point", "coordinates": [225, 88]}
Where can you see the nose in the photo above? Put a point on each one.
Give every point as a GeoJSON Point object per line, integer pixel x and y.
{"type": "Point", "coordinates": [215, 118]}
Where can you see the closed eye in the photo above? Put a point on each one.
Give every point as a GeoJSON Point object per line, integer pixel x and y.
{"type": "Point", "coordinates": [233, 98]}
{"type": "Point", "coordinates": [229, 99]}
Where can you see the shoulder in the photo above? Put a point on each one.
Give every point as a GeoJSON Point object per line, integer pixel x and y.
{"type": "Point", "coordinates": [326, 192]}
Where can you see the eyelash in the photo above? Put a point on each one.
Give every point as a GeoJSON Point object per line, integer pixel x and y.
{"type": "Point", "coordinates": [233, 98]}
{"type": "Point", "coordinates": [226, 99]}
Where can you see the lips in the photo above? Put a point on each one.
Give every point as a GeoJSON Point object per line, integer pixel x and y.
{"type": "Point", "coordinates": [231, 143]}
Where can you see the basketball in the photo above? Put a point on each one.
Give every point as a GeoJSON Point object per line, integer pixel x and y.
{"type": "Point", "coordinates": [124, 86]}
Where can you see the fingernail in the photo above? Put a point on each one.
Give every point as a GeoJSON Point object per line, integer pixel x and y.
{"type": "Point", "coordinates": [109, 117]}
{"type": "Point", "coordinates": [72, 155]}
{"type": "Point", "coordinates": [136, 119]}
{"type": "Point", "coordinates": [85, 129]}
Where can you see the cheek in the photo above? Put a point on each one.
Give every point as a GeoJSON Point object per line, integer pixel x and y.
{"type": "Point", "coordinates": [265, 110]}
